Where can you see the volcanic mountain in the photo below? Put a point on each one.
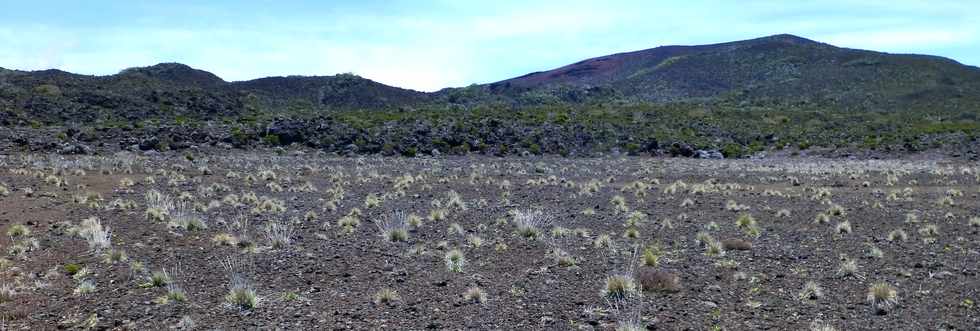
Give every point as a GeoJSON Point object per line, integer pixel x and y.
{"type": "Point", "coordinates": [783, 67]}
{"type": "Point", "coordinates": [780, 69]}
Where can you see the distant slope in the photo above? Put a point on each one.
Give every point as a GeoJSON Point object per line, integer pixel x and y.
{"type": "Point", "coordinates": [786, 68]}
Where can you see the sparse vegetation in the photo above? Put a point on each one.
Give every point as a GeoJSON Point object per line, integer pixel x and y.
{"type": "Point", "coordinates": [271, 251]}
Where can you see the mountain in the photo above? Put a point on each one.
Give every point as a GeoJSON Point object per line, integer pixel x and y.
{"type": "Point", "coordinates": [780, 69]}
{"type": "Point", "coordinates": [168, 90]}
{"type": "Point", "coordinates": [340, 91]}
{"type": "Point", "coordinates": [786, 68]}
{"type": "Point", "coordinates": [737, 98]}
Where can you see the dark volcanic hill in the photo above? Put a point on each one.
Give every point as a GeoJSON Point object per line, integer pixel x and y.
{"type": "Point", "coordinates": [172, 89]}
{"type": "Point", "coordinates": [781, 67]}
{"type": "Point", "coordinates": [780, 70]}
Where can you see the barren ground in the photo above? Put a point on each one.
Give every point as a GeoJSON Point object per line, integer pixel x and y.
{"type": "Point", "coordinates": [305, 234]}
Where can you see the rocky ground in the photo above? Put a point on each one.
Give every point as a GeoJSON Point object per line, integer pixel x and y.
{"type": "Point", "coordinates": [255, 240]}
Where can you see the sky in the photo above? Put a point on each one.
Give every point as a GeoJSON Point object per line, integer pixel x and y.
{"type": "Point", "coordinates": [428, 45]}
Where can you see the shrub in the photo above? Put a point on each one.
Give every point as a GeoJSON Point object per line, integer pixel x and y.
{"type": "Point", "coordinates": [72, 268]}
{"type": "Point", "coordinates": [654, 280]}
{"type": "Point", "coordinates": [882, 297]}
{"type": "Point", "coordinates": [455, 260]}
{"type": "Point", "coordinates": [530, 222]}
{"type": "Point", "coordinates": [159, 278]}
{"type": "Point", "coordinates": [97, 236]}
{"type": "Point", "coordinates": [898, 234]}
{"type": "Point", "coordinates": [714, 248]}
{"type": "Point", "coordinates": [619, 287]}
{"type": "Point", "coordinates": [7, 293]}
{"type": "Point", "coordinates": [386, 296]}
{"type": "Point", "coordinates": [475, 295]}
{"type": "Point", "coordinates": [736, 244]}
{"type": "Point", "coordinates": [651, 256]}
{"type": "Point", "coordinates": [240, 295]}
{"type": "Point", "coordinates": [115, 256]}
{"type": "Point", "coordinates": [279, 234]}
{"type": "Point", "coordinates": [811, 291]}
{"type": "Point", "coordinates": [848, 267]}
{"type": "Point", "coordinates": [394, 227]}
{"type": "Point", "coordinates": [85, 286]}
{"type": "Point", "coordinates": [603, 241]}
{"type": "Point", "coordinates": [18, 230]}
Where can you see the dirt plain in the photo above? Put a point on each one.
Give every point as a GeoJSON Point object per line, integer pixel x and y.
{"type": "Point", "coordinates": [733, 242]}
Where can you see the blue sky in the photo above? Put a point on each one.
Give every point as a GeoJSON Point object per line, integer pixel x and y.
{"type": "Point", "coordinates": [427, 45]}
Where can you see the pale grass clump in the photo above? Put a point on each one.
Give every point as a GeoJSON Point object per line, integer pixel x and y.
{"type": "Point", "coordinates": [310, 216]}
{"type": "Point", "coordinates": [455, 229]}
{"type": "Point", "coordinates": [882, 297]}
{"type": "Point", "coordinates": [619, 204]}
{"type": "Point", "coordinates": [269, 205]}
{"type": "Point", "coordinates": [748, 224]}
{"type": "Point", "coordinates": [819, 326]}
{"type": "Point", "coordinates": [348, 223]}
{"type": "Point", "coordinates": [386, 296]}
{"type": "Point", "coordinates": [835, 210]}
{"type": "Point", "coordinates": [86, 286]}
{"type": "Point", "coordinates": [619, 287]}
{"type": "Point", "coordinates": [182, 217]}
{"type": "Point", "coordinates": [731, 205]}
{"type": "Point", "coordinates": [898, 235]}
{"type": "Point", "coordinates": [414, 220]}
{"type": "Point", "coordinates": [97, 236]}
{"type": "Point", "coordinates": [455, 260]}
{"type": "Point", "coordinates": [455, 201]}
{"type": "Point", "coordinates": [530, 222]}
{"type": "Point", "coordinates": [372, 201]}
{"type": "Point", "coordinates": [158, 205]}
{"type": "Point", "coordinates": [636, 218]}
{"type": "Point", "coordinates": [474, 240]}
{"type": "Point", "coordinates": [474, 295]}
{"type": "Point", "coordinates": [279, 233]}
{"type": "Point", "coordinates": [241, 294]}
{"type": "Point", "coordinates": [929, 230]}
{"type": "Point", "coordinates": [848, 267]}
{"type": "Point", "coordinates": [394, 227]}
{"type": "Point", "coordinates": [811, 291]}
{"type": "Point", "coordinates": [113, 256]}
{"type": "Point", "coordinates": [225, 239]}
{"type": "Point", "coordinates": [438, 214]}
{"type": "Point", "coordinates": [631, 233]}
{"type": "Point", "coordinates": [714, 247]}
{"type": "Point", "coordinates": [18, 230]}
{"type": "Point", "coordinates": [7, 292]}
{"type": "Point", "coordinates": [603, 241]}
